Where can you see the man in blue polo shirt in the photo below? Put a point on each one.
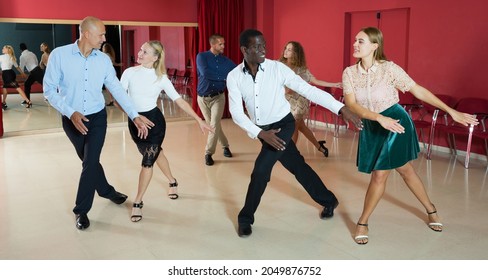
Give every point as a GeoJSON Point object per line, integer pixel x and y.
{"type": "Point", "coordinates": [212, 68]}
{"type": "Point", "coordinates": [73, 85]}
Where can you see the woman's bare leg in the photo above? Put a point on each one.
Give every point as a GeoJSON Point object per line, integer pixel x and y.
{"type": "Point", "coordinates": [163, 164]}
{"type": "Point", "coordinates": [417, 187]}
{"type": "Point", "coordinates": [376, 189]}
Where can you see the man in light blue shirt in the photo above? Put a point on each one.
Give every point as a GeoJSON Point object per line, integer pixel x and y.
{"type": "Point", "coordinates": [73, 86]}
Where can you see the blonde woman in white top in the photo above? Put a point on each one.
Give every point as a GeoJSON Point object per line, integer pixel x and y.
{"type": "Point", "coordinates": [144, 83]}
{"type": "Point", "coordinates": [7, 62]}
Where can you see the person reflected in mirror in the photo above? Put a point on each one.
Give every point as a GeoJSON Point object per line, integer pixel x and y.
{"type": "Point", "coordinates": [28, 60]}
{"type": "Point", "coordinates": [7, 62]}
{"type": "Point", "coordinates": [389, 139]}
{"type": "Point", "coordinates": [44, 59]}
{"type": "Point", "coordinates": [109, 50]}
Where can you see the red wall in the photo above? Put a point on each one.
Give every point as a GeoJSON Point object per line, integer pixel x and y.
{"type": "Point", "coordinates": [171, 37]}
{"type": "Point", "coordinates": [447, 38]}
{"type": "Point", "coordinates": [448, 46]}
{"type": "Point", "coordinates": [184, 11]}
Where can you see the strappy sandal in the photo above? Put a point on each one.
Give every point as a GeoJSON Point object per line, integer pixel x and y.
{"type": "Point", "coordinates": [136, 218]}
{"type": "Point", "coordinates": [173, 185]}
{"type": "Point", "coordinates": [435, 226]}
{"type": "Point", "coordinates": [323, 149]}
{"type": "Point", "coordinates": [361, 239]}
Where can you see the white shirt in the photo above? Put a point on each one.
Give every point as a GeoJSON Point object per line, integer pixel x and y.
{"type": "Point", "coordinates": [6, 62]}
{"type": "Point", "coordinates": [143, 87]}
{"type": "Point", "coordinates": [28, 60]}
{"type": "Point", "coordinates": [265, 99]}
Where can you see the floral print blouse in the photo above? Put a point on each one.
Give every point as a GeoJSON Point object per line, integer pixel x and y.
{"type": "Point", "coordinates": [377, 88]}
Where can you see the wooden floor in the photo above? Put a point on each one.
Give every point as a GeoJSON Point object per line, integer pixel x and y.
{"type": "Point", "coordinates": [39, 172]}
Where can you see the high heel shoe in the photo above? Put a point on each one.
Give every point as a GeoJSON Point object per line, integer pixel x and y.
{"type": "Point", "coordinates": [435, 226]}
{"type": "Point", "coordinates": [26, 103]}
{"type": "Point", "coordinates": [323, 149]}
{"type": "Point", "coordinates": [173, 185]}
{"type": "Point", "coordinates": [361, 239]}
{"type": "Point", "coordinates": [136, 218]}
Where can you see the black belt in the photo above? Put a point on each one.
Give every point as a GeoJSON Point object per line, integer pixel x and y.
{"type": "Point", "coordinates": [288, 118]}
{"type": "Point", "coordinates": [213, 94]}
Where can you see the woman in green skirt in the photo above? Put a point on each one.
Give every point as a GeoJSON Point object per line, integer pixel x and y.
{"type": "Point", "coordinates": [388, 140]}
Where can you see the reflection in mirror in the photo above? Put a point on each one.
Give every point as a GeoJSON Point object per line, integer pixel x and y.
{"type": "Point", "coordinates": [126, 41]}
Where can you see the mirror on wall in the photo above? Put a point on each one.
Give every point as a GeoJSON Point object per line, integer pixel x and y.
{"type": "Point", "coordinates": [41, 117]}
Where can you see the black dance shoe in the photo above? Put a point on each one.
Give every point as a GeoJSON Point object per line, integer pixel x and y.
{"type": "Point", "coordinates": [118, 198]}
{"type": "Point", "coordinates": [227, 152]}
{"type": "Point", "coordinates": [328, 210]}
{"type": "Point", "coordinates": [244, 230]}
{"type": "Point", "coordinates": [82, 221]}
{"type": "Point", "coordinates": [208, 160]}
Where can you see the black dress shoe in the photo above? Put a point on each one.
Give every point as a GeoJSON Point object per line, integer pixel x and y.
{"type": "Point", "coordinates": [118, 198]}
{"type": "Point", "coordinates": [208, 160]}
{"type": "Point", "coordinates": [244, 230]}
{"type": "Point", "coordinates": [227, 152]}
{"type": "Point", "coordinates": [328, 211]}
{"type": "Point", "coordinates": [82, 221]}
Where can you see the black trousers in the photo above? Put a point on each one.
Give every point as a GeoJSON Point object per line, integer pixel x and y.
{"type": "Point", "coordinates": [36, 75]}
{"type": "Point", "coordinates": [89, 147]}
{"type": "Point", "coordinates": [293, 161]}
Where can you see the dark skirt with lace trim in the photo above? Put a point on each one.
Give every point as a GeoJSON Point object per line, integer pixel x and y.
{"type": "Point", "coordinates": [151, 146]}
{"type": "Point", "coordinates": [9, 79]}
{"type": "Point", "coordinates": [381, 149]}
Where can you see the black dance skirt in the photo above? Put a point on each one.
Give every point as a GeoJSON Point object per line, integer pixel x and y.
{"type": "Point", "coordinates": [151, 146]}
{"type": "Point", "coordinates": [381, 149]}
{"type": "Point", "coordinates": [9, 79]}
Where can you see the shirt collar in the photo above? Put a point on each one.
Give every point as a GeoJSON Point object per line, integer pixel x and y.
{"type": "Point", "coordinates": [245, 69]}
{"type": "Point", "coordinates": [372, 69]}
{"type": "Point", "coordinates": [76, 49]}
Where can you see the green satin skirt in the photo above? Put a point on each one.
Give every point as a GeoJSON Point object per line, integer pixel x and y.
{"type": "Point", "coordinates": [381, 149]}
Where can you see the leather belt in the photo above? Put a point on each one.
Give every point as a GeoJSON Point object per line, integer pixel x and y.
{"type": "Point", "coordinates": [213, 94]}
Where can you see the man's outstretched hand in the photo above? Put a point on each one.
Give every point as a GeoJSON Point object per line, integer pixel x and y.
{"type": "Point", "coordinates": [349, 116]}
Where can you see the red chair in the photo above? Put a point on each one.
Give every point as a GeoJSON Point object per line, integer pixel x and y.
{"type": "Point", "coordinates": [179, 81]}
{"type": "Point", "coordinates": [171, 72]}
{"type": "Point", "coordinates": [470, 105]}
{"type": "Point", "coordinates": [187, 84]}
{"type": "Point", "coordinates": [481, 133]}
{"type": "Point", "coordinates": [317, 109]}
{"type": "Point", "coordinates": [425, 116]}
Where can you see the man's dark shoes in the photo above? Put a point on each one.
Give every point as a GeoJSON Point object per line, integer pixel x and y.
{"type": "Point", "coordinates": [244, 230]}
{"type": "Point", "coordinates": [227, 152]}
{"type": "Point", "coordinates": [118, 198]}
{"type": "Point", "coordinates": [82, 221]}
{"type": "Point", "coordinates": [328, 211]}
{"type": "Point", "coordinates": [208, 160]}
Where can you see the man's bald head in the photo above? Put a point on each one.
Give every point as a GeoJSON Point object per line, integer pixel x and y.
{"type": "Point", "coordinates": [89, 23]}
